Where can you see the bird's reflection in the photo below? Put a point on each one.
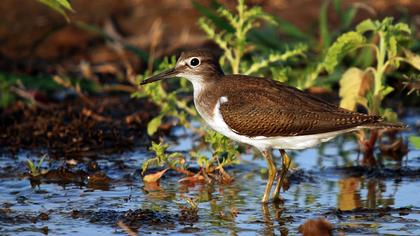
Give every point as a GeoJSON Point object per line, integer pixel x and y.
{"type": "Point", "coordinates": [272, 214]}
{"type": "Point", "coordinates": [350, 194]}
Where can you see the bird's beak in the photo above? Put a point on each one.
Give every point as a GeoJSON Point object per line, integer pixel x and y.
{"type": "Point", "coordinates": [164, 75]}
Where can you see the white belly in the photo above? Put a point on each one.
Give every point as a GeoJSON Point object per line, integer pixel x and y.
{"type": "Point", "coordinates": [263, 143]}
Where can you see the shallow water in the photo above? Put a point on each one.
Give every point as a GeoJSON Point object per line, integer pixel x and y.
{"type": "Point", "coordinates": [326, 182]}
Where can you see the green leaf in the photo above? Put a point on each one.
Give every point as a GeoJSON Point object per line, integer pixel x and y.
{"type": "Point", "coordinates": [343, 45]}
{"type": "Point", "coordinates": [392, 48]}
{"type": "Point", "coordinates": [402, 27]}
{"type": "Point", "coordinates": [31, 166]}
{"type": "Point", "coordinates": [415, 141]}
{"type": "Point", "coordinates": [365, 26]}
{"type": "Point", "coordinates": [154, 124]}
{"type": "Point", "coordinates": [387, 90]}
{"type": "Point", "coordinates": [265, 38]}
{"type": "Point", "coordinates": [146, 164]}
{"type": "Point", "coordinates": [60, 6]}
{"type": "Point", "coordinates": [214, 18]}
{"type": "Point", "coordinates": [348, 16]}
{"type": "Point", "coordinates": [273, 57]}
{"type": "Point", "coordinates": [390, 115]}
{"type": "Point", "coordinates": [65, 4]}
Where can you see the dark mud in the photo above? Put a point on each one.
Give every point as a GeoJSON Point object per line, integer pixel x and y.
{"type": "Point", "coordinates": [73, 128]}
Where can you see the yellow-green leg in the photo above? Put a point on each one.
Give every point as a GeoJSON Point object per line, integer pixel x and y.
{"type": "Point", "coordinates": [271, 174]}
{"type": "Point", "coordinates": [280, 179]}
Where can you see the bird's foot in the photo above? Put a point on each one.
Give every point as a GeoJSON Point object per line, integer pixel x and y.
{"type": "Point", "coordinates": [277, 199]}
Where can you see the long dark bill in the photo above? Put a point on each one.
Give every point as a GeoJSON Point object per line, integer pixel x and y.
{"type": "Point", "coordinates": [164, 75]}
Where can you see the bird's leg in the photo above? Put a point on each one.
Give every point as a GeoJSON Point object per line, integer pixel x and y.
{"type": "Point", "coordinates": [280, 179]}
{"type": "Point", "coordinates": [271, 174]}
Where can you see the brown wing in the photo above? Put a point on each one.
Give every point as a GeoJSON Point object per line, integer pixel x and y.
{"type": "Point", "coordinates": [285, 111]}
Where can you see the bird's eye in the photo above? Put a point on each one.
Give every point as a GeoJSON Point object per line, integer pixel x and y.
{"type": "Point", "coordinates": [194, 62]}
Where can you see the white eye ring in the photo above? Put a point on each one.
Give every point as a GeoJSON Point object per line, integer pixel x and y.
{"type": "Point", "coordinates": [194, 62]}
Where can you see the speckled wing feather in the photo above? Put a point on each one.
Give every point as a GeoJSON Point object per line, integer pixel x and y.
{"type": "Point", "coordinates": [279, 110]}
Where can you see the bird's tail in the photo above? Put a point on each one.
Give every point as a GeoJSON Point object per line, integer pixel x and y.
{"type": "Point", "coordinates": [379, 124]}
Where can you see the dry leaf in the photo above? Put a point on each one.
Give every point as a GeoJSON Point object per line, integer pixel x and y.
{"type": "Point", "coordinates": [154, 177]}
{"type": "Point", "coordinates": [413, 59]}
{"type": "Point", "coordinates": [354, 85]}
{"type": "Point", "coordinates": [192, 179]}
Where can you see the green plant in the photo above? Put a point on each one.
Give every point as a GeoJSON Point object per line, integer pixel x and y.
{"type": "Point", "coordinates": [367, 86]}
{"type": "Point", "coordinates": [35, 170]}
{"type": "Point", "coordinates": [6, 97]}
{"type": "Point", "coordinates": [10, 83]}
{"type": "Point", "coordinates": [173, 160]}
{"type": "Point", "coordinates": [233, 38]}
{"type": "Point", "coordinates": [60, 6]}
{"type": "Point", "coordinates": [224, 153]}
{"type": "Point", "coordinates": [171, 105]}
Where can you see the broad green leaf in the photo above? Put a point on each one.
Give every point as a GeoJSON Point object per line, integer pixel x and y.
{"type": "Point", "coordinates": [415, 141]}
{"type": "Point", "coordinates": [365, 26]}
{"type": "Point", "coordinates": [402, 27]}
{"type": "Point", "coordinates": [343, 45]}
{"type": "Point", "coordinates": [352, 88]}
{"type": "Point", "coordinates": [154, 124]}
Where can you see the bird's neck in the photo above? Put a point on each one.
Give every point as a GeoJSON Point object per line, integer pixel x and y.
{"type": "Point", "coordinates": [206, 95]}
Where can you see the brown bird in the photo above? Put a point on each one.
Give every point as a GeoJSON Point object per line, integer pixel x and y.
{"type": "Point", "coordinates": [262, 112]}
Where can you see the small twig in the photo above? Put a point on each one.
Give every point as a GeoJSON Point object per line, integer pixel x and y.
{"type": "Point", "coordinates": [68, 85]}
{"type": "Point", "coordinates": [89, 113]}
{"type": "Point", "coordinates": [119, 87]}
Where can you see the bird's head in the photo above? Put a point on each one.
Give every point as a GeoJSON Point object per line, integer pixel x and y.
{"type": "Point", "coordinates": [196, 65]}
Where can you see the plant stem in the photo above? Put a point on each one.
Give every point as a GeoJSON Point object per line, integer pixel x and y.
{"type": "Point", "coordinates": [239, 37]}
{"type": "Point", "coordinates": [380, 57]}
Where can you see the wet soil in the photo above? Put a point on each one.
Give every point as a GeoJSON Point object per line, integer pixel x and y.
{"type": "Point", "coordinates": [72, 128]}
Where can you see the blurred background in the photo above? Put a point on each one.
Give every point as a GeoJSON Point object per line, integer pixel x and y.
{"type": "Point", "coordinates": [36, 39]}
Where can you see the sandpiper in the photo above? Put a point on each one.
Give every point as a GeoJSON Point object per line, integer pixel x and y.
{"type": "Point", "coordinates": [262, 112]}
